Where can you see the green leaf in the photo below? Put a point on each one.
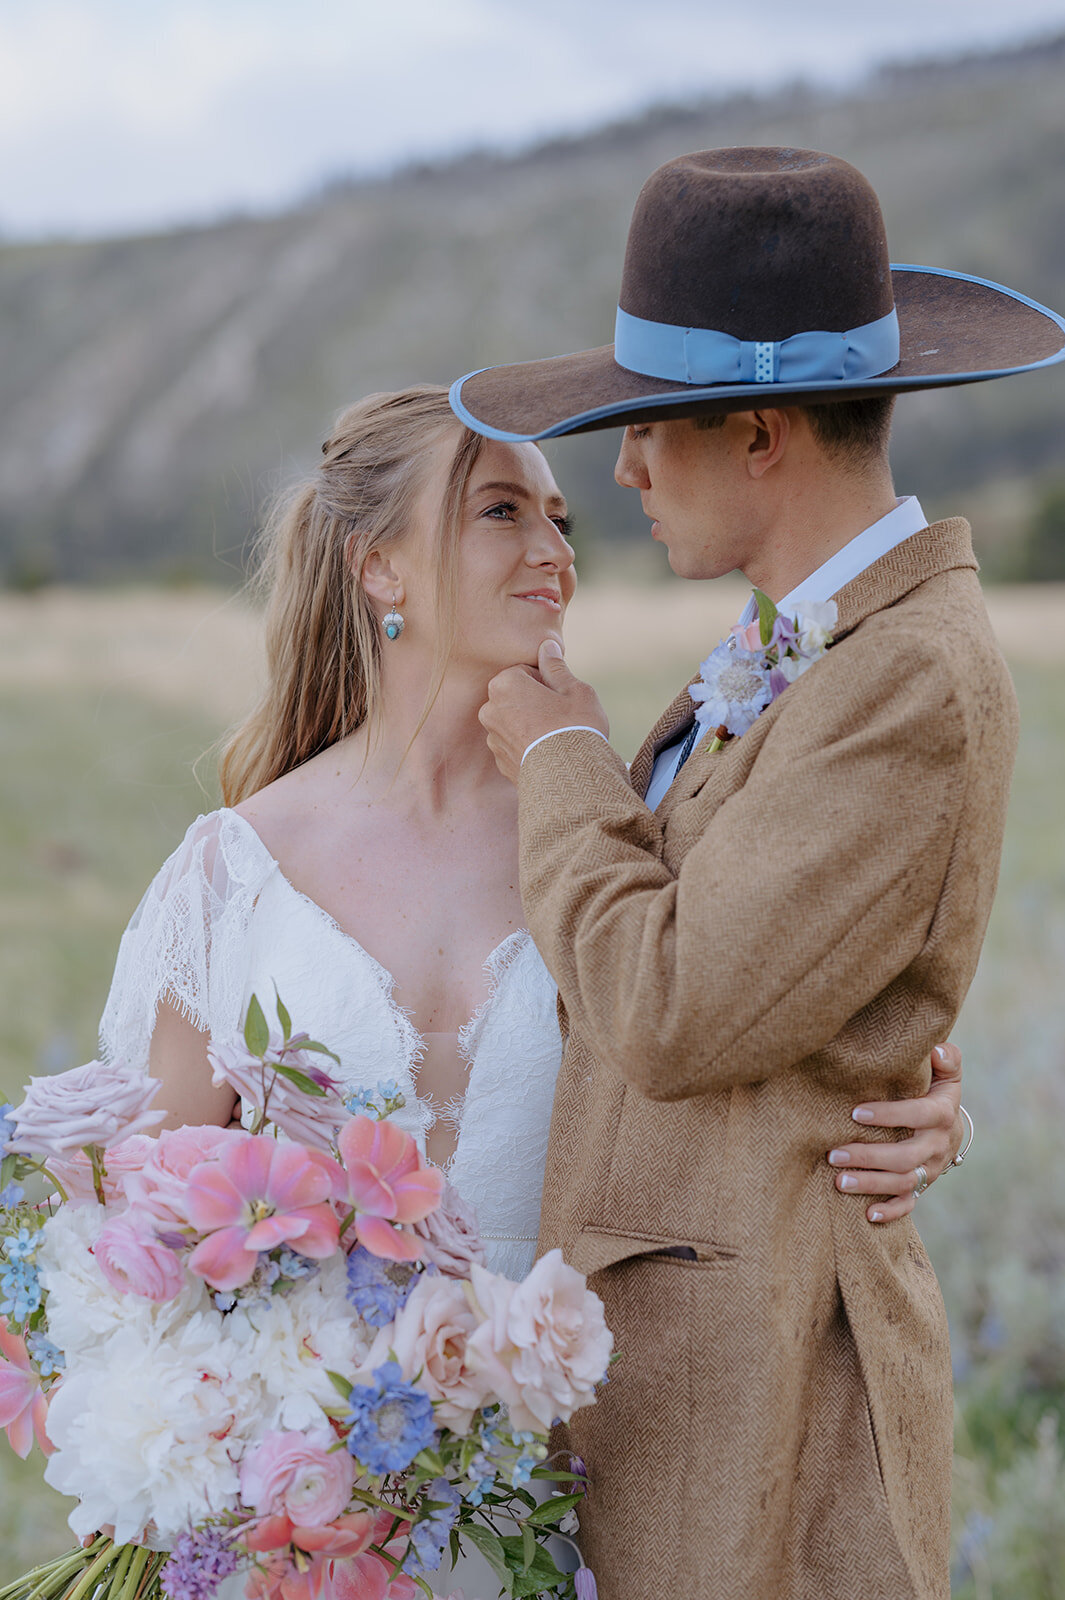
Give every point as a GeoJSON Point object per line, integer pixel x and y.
{"type": "Point", "coordinates": [256, 1033]}
{"type": "Point", "coordinates": [431, 1462]}
{"type": "Point", "coordinates": [491, 1547]}
{"type": "Point", "coordinates": [300, 1079]}
{"type": "Point", "coordinates": [7, 1169]}
{"type": "Point", "coordinates": [541, 1573]}
{"type": "Point", "coordinates": [341, 1385]}
{"type": "Point", "coordinates": [320, 1049]}
{"type": "Point", "coordinates": [767, 615]}
{"type": "Point", "coordinates": [552, 1511]}
{"type": "Point", "coordinates": [283, 1016]}
{"type": "Point", "coordinates": [553, 1475]}
{"type": "Point", "coordinates": [528, 1547]}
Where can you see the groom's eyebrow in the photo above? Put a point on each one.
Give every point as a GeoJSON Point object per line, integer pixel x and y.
{"type": "Point", "coordinates": [518, 491]}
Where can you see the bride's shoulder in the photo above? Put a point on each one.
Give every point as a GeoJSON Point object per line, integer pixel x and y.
{"type": "Point", "coordinates": [220, 854]}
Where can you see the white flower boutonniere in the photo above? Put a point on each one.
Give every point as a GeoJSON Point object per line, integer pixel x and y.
{"type": "Point", "coordinates": [749, 669]}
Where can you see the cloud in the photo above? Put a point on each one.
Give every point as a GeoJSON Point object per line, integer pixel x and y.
{"type": "Point", "coordinates": [118, 114]}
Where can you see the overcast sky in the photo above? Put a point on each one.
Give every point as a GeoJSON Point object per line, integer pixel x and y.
{"type": "Point", "coordinates": [130, 114]}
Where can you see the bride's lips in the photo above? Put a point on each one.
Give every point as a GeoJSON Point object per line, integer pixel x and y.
{"type": "Point", "coordinates": [542, 597]}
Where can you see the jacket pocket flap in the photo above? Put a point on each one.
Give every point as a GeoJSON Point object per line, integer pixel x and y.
{"type": "Point", "coordinates": [596, 1248]}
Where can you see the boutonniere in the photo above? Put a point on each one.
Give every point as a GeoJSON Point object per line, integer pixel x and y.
{"type": "Point", "coordinates": [749, 669]}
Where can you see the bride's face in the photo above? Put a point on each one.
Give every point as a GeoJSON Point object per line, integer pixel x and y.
{"type": "Point", "coordinates": [515, 567]}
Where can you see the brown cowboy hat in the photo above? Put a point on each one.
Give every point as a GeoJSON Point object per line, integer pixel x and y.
{"type": "Point", "coordinates": [761, 277]}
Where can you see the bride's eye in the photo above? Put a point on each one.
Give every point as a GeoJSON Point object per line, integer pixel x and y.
{"type": "Point", "coordinates": [564, 526]}
{"type": "Point", "coordinates": [505, 510]}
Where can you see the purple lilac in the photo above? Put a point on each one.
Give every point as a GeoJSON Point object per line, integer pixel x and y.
{"type": "Point", "coordinates": [198, 1563]}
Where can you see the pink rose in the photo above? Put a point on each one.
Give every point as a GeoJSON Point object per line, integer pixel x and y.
{"type": "Point", "coordinates": [428, 1339]}
{"type": "Point", "coordinates": [749, 637]}
{"type": "Point", "coordinates": [310, 1119]}
{"type": "Point", "coordinates": [298, 1476]}
{"type": "Point", "coordinates": [449, 1235]}
{"type": "Point", "coordinates": [97, 1104]}
{"type": "Point", "coordinates": [157, 1186]}
{"type": "Point", "coordinates": [543, 1344]}
{"type": "Point", "coordinates": [134, 1261]}
{"type": "Point", "coordinates": [74, 1170]}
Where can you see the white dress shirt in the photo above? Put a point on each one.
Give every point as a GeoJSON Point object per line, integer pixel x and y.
{"type": "Point", "coordinates": [839, 570]}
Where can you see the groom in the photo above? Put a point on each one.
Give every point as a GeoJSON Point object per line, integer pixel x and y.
{"type": "Point", "coordinates": [766, 920]}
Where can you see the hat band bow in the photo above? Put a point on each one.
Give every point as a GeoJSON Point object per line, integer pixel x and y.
{"type": "Point", "coordinates": [704, 356]}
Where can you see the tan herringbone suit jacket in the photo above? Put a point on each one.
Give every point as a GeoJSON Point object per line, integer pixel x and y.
{"type": "Point", "coordinates": [790, 932]}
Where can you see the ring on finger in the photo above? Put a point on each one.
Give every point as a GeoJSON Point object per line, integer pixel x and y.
{"type": "Point", "coordinates": [921, 1174]}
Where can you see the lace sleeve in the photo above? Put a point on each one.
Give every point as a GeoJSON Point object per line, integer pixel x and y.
{"type": "Point", "coordinates": [186, 941]}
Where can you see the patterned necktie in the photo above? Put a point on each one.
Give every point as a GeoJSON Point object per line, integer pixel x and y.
{"type": "Point", "coordinates": [688, 745]}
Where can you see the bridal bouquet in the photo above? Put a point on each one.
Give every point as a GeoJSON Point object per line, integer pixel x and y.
{"type": "Point", "coordinates": [278, 1357]}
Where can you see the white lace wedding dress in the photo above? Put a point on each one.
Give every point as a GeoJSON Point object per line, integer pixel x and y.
{"type": "Point", "coordinates": [220, 922]}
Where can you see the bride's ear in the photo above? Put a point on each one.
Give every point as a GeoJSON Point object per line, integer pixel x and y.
{"type": "Point", "coordinates": [379, 577]}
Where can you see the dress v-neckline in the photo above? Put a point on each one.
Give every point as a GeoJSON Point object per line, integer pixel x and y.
{"type": "Point", "coordinates": [495, 966]}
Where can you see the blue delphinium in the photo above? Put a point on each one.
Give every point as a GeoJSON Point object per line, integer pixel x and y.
{"type": "Point", "coordinates": [390, 1421]}
{"type": "Point", "coordinates": [48, 1357]}
{"type": "Point", "coordinates": [429, 1537]}
{"type": "Point", "coordinates": [198, 1563]}
{"type": "Point", "coordinates": [20, 1291]}
{"type": "Point", "coordinates": [381, 1101]}
{"type": "Point", "coordinates": [378, 1288]}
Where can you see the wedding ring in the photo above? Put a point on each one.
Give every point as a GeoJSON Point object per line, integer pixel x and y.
{"type": "Point", "coordinates": [922, 1182]}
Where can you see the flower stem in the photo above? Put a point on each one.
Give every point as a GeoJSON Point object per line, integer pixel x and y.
{"type": "Point", "coordinates": [86, 1583]}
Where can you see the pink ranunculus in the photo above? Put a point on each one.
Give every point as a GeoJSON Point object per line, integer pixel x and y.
{"type": "Point", "coordinates": [100, 1104]}
{"type": "Point", "coordinates": [255, 1195]}
{"type": "Point", "coordinates": [449, 1235]}
{"type": "Point", "coordinates": [749, 637]}
{"type": "Point", "coordinates": [389, 1183]}
{"type": "Point", "coordinates": [310, 1119]}
{"type": "Point", "coordinates": [298, 1475]}
{"type": "Point", "coordinates": [428, 1339]}
{"type": "Point", "coordinates": [74, 1171]}
{"type": "Point", "coordinates": [156, 1188]}
{"type": "Point", "coordinates": [134, 1261]}
{"type": "Point", "coordinates": [543, 1344]}
{"type": "Point", "coordinates": [23, 1407]}
{"type": "Point", "coordinates": [369, 1576]}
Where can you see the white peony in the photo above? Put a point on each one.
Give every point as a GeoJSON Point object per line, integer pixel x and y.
{"type": "Point", "coordinates": [294, 1340]}
{"type": "Point", "coordinates": [154, 1432]}
{"type": "Point", "coordinates": [84, 1311]}
{"type": "Point", "coordinates": [816, 620]}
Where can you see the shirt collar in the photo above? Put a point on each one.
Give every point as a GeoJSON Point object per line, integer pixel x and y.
{"type": "Point", "coordinates": [859, 553]}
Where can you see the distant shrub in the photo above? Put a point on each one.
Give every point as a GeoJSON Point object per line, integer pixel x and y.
{"type": "Point", "coordinates": [1043, 551]}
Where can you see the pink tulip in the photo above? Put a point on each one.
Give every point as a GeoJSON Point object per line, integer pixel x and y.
{"type": "Point", "coordinates": [369, 1576]}
{"type": "Point", "coordinates": [304, 1572]}
{"type": "Point", "coordinates": [389, 1183]}
{"type": "Point", "coordinates": [256, 1195]}
{"type": "Point", "coordinates": [23, 1407]}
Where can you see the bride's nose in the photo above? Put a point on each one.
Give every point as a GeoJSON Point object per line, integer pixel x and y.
{"type": "Point", "coordinates": [549, 548]}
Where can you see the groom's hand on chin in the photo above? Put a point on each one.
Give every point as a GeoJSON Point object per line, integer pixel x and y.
{"type": "Point", "coordinates": [524, 703]}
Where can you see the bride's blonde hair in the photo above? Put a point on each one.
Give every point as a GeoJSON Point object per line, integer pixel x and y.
{"type": "Point", "coordinates": [323, 637]}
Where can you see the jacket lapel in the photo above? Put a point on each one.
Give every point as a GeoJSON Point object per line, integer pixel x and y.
{"type": "Point", "coordinates": [935, 549]}
{"type": "Point", "coordinates": [679, 714]}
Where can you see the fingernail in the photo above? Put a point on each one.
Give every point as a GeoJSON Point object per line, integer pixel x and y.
{"type": "Point", "coordinates": [860, 1114]}
{"type": "Point", "coordinates": [876, 1216]}
{"type": "Point", "coordinates": [941, 1053]}
{"type": "Point", "coordinates": [848, 1181]}
{"type": "Point", "coordinates": [839, 1158]}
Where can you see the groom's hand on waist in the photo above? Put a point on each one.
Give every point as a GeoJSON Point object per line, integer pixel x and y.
{"type": "Point", "coordinates": [526, 703]}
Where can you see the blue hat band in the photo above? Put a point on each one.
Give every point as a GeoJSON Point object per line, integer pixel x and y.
{"type": "Point", "coordinates": [704, 356]}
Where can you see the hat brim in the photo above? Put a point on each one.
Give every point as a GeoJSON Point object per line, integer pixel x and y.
{"type": "Point", "coordinates": [953, 329]}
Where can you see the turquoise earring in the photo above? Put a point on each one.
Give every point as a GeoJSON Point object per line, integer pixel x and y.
{"type": "Point", "coordinates": [393, 622]}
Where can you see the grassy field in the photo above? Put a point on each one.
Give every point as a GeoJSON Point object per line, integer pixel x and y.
{"type": "Point", "coordinates": [106, 701]}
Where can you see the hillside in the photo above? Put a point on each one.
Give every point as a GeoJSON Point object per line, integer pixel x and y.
{"type": "Point", "coordinates": [154, 390]}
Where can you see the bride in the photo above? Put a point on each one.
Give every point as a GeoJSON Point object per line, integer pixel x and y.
{"type": "Point", "coordinates": [365, 861]}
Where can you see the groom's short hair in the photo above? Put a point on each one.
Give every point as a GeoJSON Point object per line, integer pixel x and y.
{"type": "Point", "coordinates": [853, 432]}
